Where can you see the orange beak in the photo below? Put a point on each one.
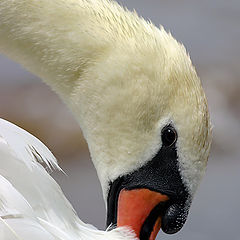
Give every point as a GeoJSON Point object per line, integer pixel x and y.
{"type": "Point", "coordinates": [134, 208]}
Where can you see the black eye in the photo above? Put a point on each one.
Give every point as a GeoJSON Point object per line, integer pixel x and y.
{"type": "Point", "coordinates": [169, 136]}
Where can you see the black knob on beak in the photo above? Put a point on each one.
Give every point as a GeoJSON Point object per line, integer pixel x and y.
{"type": "Point", "coordinates": [174, 218]}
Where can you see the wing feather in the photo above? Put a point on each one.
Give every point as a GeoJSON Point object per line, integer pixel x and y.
{"type": "Point", "coordinates": [21, 166]}
{"type": "Point", "coordinates": [25, 146]}
{"type": "Point", "coordinates": [17, 219]}
{"type": "Point", "coordinates": [31, 201]}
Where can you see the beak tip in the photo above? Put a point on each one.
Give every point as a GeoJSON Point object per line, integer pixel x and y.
{"type": "Point", "coordinates": [174, 219]}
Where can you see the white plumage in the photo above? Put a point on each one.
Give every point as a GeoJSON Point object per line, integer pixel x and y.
{"type": "Point", "coordinates": [122, 77]}
{"type": "Point", "coordinates": [125, 80]}
{"type": "Point", "coordinates": [32, 205]}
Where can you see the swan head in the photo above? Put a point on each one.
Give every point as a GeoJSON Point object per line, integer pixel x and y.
{"type": "Point", "coordinates": [144, 115]}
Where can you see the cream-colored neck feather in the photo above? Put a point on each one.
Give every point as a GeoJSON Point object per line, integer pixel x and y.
{"type": "Point", "coordinates": [59, 40]}
{"type": "Point", "coordinates": [122, 77]}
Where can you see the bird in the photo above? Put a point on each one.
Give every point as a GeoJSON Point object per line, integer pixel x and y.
{"type": "Point", "coordinates": [137, 98]}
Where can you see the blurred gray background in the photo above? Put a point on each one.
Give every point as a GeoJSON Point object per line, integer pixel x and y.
{"type": "Point", "coordinates": [210, 30]}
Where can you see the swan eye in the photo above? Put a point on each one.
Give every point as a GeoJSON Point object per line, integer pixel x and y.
{"type": "Point", "coordinates": [169, 136]}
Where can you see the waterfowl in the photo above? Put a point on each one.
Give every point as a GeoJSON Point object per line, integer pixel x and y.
{"type": "Point", "coordinates": [135, 94]}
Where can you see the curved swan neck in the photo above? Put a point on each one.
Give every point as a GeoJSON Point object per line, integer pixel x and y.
{"type": "Point", "coordinates": [120, 75]}
{"type": "Point", "coordinates": [55, 40]}
{"type": "Point", "coordinates": [80, 48]}
{"type": "Point", "coordinates": [58, 40]}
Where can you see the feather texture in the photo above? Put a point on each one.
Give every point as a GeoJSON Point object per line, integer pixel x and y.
{"type": "Point", "coordinates": [121, 76]}
{"type": "Point", "coordinates": [32, 205]}
{"type": "Point", "coordinates": [17, 218]}
{"type": "Point", "coordinates": [26, 147]}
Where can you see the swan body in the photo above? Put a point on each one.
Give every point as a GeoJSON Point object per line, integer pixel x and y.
{"type": "Point", "coordinates": [128, 83]}
{"type": "Point", "coordinates": [32, 205]}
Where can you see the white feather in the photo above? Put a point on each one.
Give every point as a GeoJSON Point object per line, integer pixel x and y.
{"type": "Point", "coordinates": [31, 202]}
{"type": "Point", "coordinates": [26, 147]}
{"type": "Point", "coordinates": [17, 220]}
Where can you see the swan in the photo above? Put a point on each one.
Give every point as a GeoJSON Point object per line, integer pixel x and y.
{"type": "Point", "coordinates": [138, 101]}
